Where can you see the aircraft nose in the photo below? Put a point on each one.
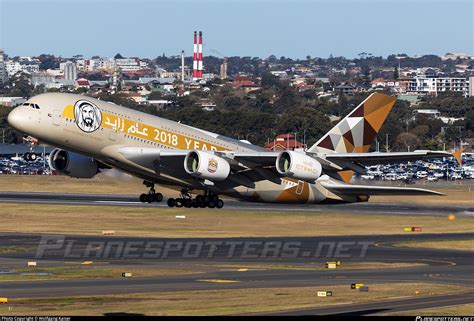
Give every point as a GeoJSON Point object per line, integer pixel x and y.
{"type": "Point", "coordinates": [15, 118]}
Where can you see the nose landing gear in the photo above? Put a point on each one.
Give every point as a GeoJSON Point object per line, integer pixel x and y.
{"type": "Point", "coordinates": [152, 196]}
{"type": "Point", "coordinates": [209, 200]}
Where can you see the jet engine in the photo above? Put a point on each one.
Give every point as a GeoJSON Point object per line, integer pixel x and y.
{"type": "Point", "coordinates": [72, 164]}
{"type": "Point", "coordinates": [206, 165]}
{"type": "Point", "coordinates": [299, 166]}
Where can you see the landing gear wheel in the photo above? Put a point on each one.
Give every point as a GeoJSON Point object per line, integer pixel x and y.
{"type": "Point", "coordinates": [187, 202]}
{"type": "Point", "coordinates": [152, 196]}
{"type": "Point", "coordinates": [179, 202]}
{"type": "Point", "coordinates": [220, 203]}
{"type": "Point", "coordinates": [171, 202]}
{"type": "Point", "coordinates": [149, 198]}
{"type": "Point", "coordinates": [158, 197]}
{"type": "Point", "coordinates": [211, 204]}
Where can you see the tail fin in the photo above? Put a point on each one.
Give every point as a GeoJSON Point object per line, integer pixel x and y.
{"type": "Point", "coordinates": [357, 130]}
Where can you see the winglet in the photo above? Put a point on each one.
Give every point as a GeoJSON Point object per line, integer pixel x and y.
{"type": "Point", "coordinates": [457, 154]}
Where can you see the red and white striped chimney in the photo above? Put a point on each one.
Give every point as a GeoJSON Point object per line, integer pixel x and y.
{"type": "Point", "coordinates": [200, 56]}
{"type": "Point", "coordinates": [195, 58]}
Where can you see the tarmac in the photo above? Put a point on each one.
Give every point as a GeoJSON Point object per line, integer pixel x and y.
{"type": "Point", "coordinates": [132, 201]}
{"type": "Point", "coordinates": [438, 266]}
{"type": "Point", "coordinates": [229, 263]}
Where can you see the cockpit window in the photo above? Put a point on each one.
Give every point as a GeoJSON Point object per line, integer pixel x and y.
{"type": "Point", "coordinates": [35, 106]}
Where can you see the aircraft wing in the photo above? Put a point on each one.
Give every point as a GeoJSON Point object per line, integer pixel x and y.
{"type": "Point", "coordinates": [255, 159]}
{"type": "Point", "coordinates": [384, 158]}
{"type": "Point", "coordinates": [147, 157]}
{"type": "Point", "coordinates": [238, 160]}
{"type": "Point", "coordinates": [375, 190]}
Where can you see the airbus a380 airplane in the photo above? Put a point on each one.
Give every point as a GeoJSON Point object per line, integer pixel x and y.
{"type": "Point", "coordinates": [92, 134]}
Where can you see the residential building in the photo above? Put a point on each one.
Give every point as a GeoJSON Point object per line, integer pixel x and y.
{"type": "Point", "coordinates": [3, 70]}
{"type": "Point", "coordinates": [344, 89]}
{"type": "Point", "coordinates": [471, 86]}
{"type": "Point", "coordinates": [128, 64]}
{"type": "Point", "coordinates": [435, 85]}
{"type": "Point", "coordinates": [70, 70]}
{"type": "Point", "coordinates": [13, 67]}
{"type": "Point", "coordinates": [100, 64]}
{"type": "Point", "coordinates": [284, 141]}
{"type": "Point", "coordinates": [12, 101]}
{"type": "Point", "coordinates": [82, 83]}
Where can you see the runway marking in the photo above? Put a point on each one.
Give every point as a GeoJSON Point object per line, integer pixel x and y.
{"type": "Point", "coordinates": [117, 202]}
{"type": "Point", "coordinates": [386, 304]}
{"type": "Point", "coordinates": [387, 245]}
{"type": "Point", "coordinates": [440, 261]}
{"type": "Point", "coordinates": [217, 281]}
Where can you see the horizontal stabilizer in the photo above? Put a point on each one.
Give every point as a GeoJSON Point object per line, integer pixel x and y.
{"type": "Point", "coordinates": [375, 190]}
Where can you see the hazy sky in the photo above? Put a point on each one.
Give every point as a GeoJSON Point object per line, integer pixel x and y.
{"type": "Point", "coordinates": [236, 27]}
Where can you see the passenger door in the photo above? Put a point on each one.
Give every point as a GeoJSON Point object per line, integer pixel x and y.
{"type": "Point", "coordinates": [113, 134]}
{"type": "Point", "coordinates": [300, 188]}
{"type": "Point", "coordinates": [57, 117]}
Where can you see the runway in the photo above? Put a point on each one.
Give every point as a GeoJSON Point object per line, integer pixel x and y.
{"type": "Point", "coordinates": [386, 306]}
{"type": "Point", "coordinates": [439, 266]}
{"type": "Point", "coordinates": [218, 262]}
{"type": "Point", "coordinates": [132, 201]}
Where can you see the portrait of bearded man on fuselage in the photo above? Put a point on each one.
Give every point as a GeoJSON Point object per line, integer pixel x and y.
{"type": "Point", "coordinates": [87, 116]}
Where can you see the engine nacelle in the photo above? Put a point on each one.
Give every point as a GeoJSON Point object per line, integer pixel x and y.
{"type": "Point", "coordinates": [206, 165]}
{"type": "Point", "coordinates": [299, 166]}
{"type": "Point", "coordinates": [72, 164]}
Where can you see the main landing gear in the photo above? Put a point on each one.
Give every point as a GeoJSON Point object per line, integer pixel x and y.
{"type": "Point", "coordinates": [30, 157]}
{"type": "Point", "coordinates": [152, 196]}
{"type": "Point", "coordinates": [209, 200]}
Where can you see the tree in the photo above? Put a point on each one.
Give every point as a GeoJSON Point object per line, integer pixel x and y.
{"type": "Point", "coordinates": [269, 80]}
{"type": "Point", "coordinates": [20, 86]}
{"type": "Point", "coordinates": [421, 131]}
{"type": "Point", "coordinates": [396, 73]}
{"type": "Point", "coordinates": [302, 119]}
{"type": "Point", "coordinates": [155, 95]}
{"type": "Point", "coordinates": [232, 102]}
{"type": "Point", "coordinates": [407, 141]}
{"type": "Point", "coordinates": [48, 62]}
